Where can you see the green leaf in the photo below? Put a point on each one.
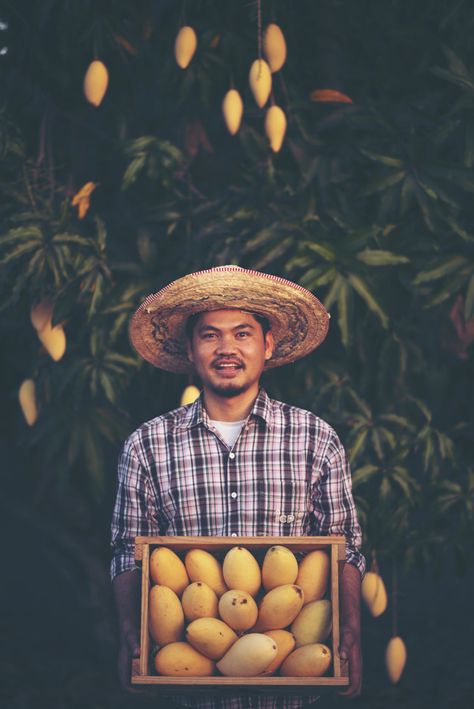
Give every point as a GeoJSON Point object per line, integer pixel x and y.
{"type": "Point", "coordinates": [342, 312]}
{"type": "Point", "coordinates": [361, 288]}
{"type": "Point", "coordinates": [377, 257]}
{"type": "Point", "coordinates": [382, 183]}
{"type": "Point", "coordinates": [358, 444]}
{"type": "Point", "coordinates": [333, 292]}
{"type": "Point", "coordinates": [469, 302]}
{"type": "Point", "coordinates": [441, 270]}
{"type": "Point", "coordinates": [384, 159]}
{"type": "Point", "coordinates": [364, 474]}
{"type": "Point", "coordinates": [323, 250]}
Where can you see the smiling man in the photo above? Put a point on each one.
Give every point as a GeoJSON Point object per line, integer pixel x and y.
{"type": "Point", "coordinates": [236, 462]}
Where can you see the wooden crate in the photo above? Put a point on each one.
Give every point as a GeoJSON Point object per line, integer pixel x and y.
{"type": "Point", "coordinates": [142, 667]}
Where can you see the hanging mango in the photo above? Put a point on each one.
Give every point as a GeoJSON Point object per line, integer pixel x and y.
{"type": "Point", "coordinates": [189, 395]}
{"type": "Point", "coordinates": [274, 46]}
{"type": "Point", "coordinates": [374, 593]}
{"type": "Point", "coordinates": [395, 658]}
{"type": "Point", "coordinates": [232, 109]}
{"type": "Point", "coordinates": [53, 340]}
{"type": "Point", "coordinates": [275, 127]}
{"type": "Point", "coordinates": [96, 82]}
{"type": "Point", "coordinates": [185, 46]}
{"type": "Point", "coordinates": [27, 398]}
{"type": "Point", "coordinates": [260, 80]}
{"type": "Point", "coordinates": [41, 314]}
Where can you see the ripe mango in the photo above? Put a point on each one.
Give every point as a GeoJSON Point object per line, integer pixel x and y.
{"type": "Point", "coordinates": [185, 46]}
{"type": "Point", "coordinates": [395, 658]}
{"type": "Point", "coordinates": [260, 80]}
{"type": "Point", "coordinates": [285, 644]}
{"type": "Point", "coordinates": [232, 110]}
{"type": "Point", "coordinates": [241, 570]}
{"type": "Point", "coordinates": [180, 659]}
{"type": "Point", "coordinates": [238, 609]}
{"type": "Point", "coordinates": [210, 636]}
{"type": "Point", "coordinates": [275, 127]}
{"type": "Point", "coordinates": [374, 593]}
{"type": "Point", "coordinates": [249, 656]}
{"type": "Point", "coordinates": [165, 615]}
{"type": "Point", "coordinates": [279, 607]}
{"type": "Point", "coordinates": [313, 623]}
{"type": "Point", "coordinates": [307, 661]}
{"type": "Point", "coordinates": [96, 82]}
{"type": "Point", "coordinates": [199, 601]}
{"type": "Point", "coordinates": [274, 46]}
{"type": "Point", "coordinates": [27, 398]}
{"type": "Point", "coordinates": [167, 569]}
{"type": "Point", "coordinates": [313, 574]}
{"type": "Point", "coordinates": [189, 395]}
{"type": "Point", "coordinates": [54, 340]}
{"type": "Point", "coordinates": [202, 566]}
{"type": "Point", "coordinates": [41, 314]}
{"type": "Point", "coordinates": [279, 567]}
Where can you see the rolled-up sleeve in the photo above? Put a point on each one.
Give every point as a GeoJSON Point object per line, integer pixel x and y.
{"type": "Point", "coordinates": [131, 516]}
{"type": "Point", "coordinates": [333, 502]}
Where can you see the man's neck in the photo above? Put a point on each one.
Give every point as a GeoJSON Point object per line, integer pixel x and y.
{"type": "Point", "coordinates": [235, 408]}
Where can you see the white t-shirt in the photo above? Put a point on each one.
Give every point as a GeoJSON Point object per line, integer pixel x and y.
{"type": "Point", "coordinates": [229, 430]}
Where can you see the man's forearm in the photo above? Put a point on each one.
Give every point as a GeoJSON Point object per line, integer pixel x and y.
{"type": "Point", "coordinates": [350, 597]}
{"type": "Point", "coordinates": [126, 589]}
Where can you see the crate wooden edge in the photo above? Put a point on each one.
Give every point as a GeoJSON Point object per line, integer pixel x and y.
{"type": "Point", "coordinates": [336, 543]}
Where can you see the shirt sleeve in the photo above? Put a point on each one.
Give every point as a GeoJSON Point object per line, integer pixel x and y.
{"type": "Point", "coordinates": [132, 512]}
{"type": "Point", "coordinates": [334, 506]}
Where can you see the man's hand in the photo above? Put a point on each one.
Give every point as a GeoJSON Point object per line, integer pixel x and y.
{"type": "Point", "coordinates": [129, 648]}
{"type": "Point", "coordinates": [126, 588]}
{"type": "Point", "coordinates": [351, 661]}
{"type": "Point", "coordinates": [349, 648]}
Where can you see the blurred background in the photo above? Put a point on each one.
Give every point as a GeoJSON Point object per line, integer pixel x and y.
{"type": "Point", "coordinates": [114, 186]}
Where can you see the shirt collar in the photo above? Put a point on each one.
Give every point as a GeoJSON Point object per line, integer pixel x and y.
{"type": "Point", "coordinates": [196, 413]}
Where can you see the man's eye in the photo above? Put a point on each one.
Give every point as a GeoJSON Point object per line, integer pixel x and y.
{"type": "Point", "coordinates": [208, 335]}
{"type": "Point", "coordinates": [243, 334]}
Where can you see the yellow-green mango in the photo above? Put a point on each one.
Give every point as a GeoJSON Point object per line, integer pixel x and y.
{"type": "Point", "coordinates": [307, 661]}
{"type": "Point", "coordinates": [182, 660]}
{"type": "Point", "coordinates": [313, 623]}
{"type": "Point", "coordinates": [210, 636]}
{"type": "Point", "coordinates": [199, 601]}
{"type": "Point", "coordinates": [241, 570]}
{"type": "Point", "coordinates": [249, 656]}
{"type": "Point", "coordinates": [238, 609]}
{"type": "Point", "coordinates": [279, 607]}
{"type": "Point", "coordinates": [165, 615]}
{"type": "Point", "coordinates": [313, 575]}
{"type": "Point", "coordinates": [279, 567]}
{"type": "Point", "coordinates": [285, 644]}
{"type": "Point", "coordinates": [203, 566]}
{"type": "Point", "coordinates": [167, 569]}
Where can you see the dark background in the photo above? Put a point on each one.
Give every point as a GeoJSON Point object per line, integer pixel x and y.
{"type": "Point", "coordinates": [368, 204]}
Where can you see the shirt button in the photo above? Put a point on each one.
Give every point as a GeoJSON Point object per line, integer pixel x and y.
{"type": "Point", "coordinates": [234, 534]}
{"type": "Point", "coordinates": [232, 456]}
{"type": "Point", "coordinates": [283, 518]}
{"type": "Point", "coordinates": [233, 494]}
{"type": "Point", "coordinates": [290, 518]}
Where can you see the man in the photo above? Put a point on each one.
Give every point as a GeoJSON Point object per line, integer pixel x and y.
{"type": "Point", "coordinates": [234, 463]}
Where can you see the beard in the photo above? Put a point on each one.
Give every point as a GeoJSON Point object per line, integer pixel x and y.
{"type": "Point", "coordinates": [227, 391]}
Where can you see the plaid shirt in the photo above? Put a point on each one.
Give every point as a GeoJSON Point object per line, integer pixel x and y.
{"type": "Point", "coordinates": [287, 475]}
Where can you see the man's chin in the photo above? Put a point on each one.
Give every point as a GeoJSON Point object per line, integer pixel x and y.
{"type": "Point", "coordinates": [227, 391]}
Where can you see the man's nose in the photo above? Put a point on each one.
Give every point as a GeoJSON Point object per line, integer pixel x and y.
{"type": "Point", "coordinates": [226, 345]}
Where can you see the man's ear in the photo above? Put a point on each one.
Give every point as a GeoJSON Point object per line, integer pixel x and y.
{"type": "Point", "coordinates": [269, 345]}
{"type": "Point", "coordinates": [189, 350]}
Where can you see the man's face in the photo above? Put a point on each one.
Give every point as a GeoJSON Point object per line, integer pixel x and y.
{"type": "Point", "coordinates": [229, 351]}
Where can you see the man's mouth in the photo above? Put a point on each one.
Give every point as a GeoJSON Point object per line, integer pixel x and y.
{"type": "Point", "coordinates": [228, 366]}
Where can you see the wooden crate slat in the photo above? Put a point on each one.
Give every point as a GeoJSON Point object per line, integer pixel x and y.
{"type": "Point", "coordinates": [144, 634]}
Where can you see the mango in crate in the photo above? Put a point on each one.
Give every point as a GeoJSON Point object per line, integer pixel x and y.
{"type": "Point", "coordinates": [249, 656]}
{"type": "Point", "coordinates": [180, 659]}
{"type": "Point", "coordinates": [210, 636]}
{"type": "Point", "coordinates": [167, 569]}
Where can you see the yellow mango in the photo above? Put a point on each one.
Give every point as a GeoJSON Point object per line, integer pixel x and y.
{"type": "Point", "coordinates": [199, 601]}
{"type": "Point", "coordinates": [180, 659]}
{"type": "Point", "coordinates": [185, 46]}
{"type": "Point", "coordinates": [307, 661]}
{"type": "Point", "coordinates": [189, 395]}
{"type": "Point", "coordinates": [238, 609]}
{"type": "Point", "coordinates": [210, 636]}
{"type": "Point", "coordinates": [167, 569]}
{"type": "Point", "coordinates": [374, 593]}
{"type": "Point", "coordinates": [41, 314]}
{"type": "Point", "coordinates": [53, 340]}
{"type": "Point", "coordinates": [279, 567]}
{"type": "Point", "coordinates": [260, 80]}
{"type": "Point", "coordinates": [285, 644]}
{"type": "Point", "coordinates": [274, 46]}
{"type": "Point", "coordinates": [165, 615]}
{"type": "Point", "coordinates": [203, 566]}
{"type": "Point", "coordinates": [232, 109]}
{"type": "Point", "coordinates": [313, 623]}
{"type": "Point", "coordinates": [279, 607]}
{"type": "Point", "coordinates": [313, 574]}
{"type": "Point", "coordinates": [96, 82]}
{"type": "Point", "coordinates": [249, 656]}
{"type": "Point", "coordinates": [241, 570]}
{"type": "Point", "coordinates": [395, 658]}
{"type": "Point", "coordinates": [27, 398]}
{"type": "Point", "coordinates": [275, 127]}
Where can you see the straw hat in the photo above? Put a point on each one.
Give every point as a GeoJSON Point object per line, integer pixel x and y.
{"type": "Point", "coordinates": [298, 321]}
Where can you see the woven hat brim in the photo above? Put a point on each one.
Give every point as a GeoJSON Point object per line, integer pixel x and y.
{"type": "Point", "coordinates": [298, 320]}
